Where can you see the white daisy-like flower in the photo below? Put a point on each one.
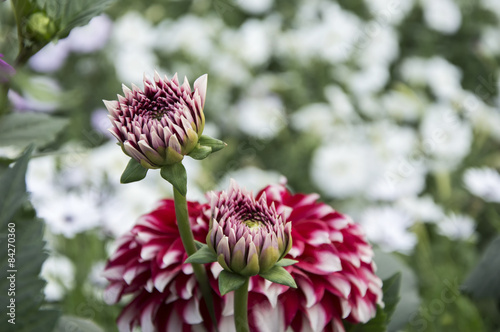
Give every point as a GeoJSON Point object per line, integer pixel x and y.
{"type": "Point", "coordinates": [261, 117]}
{"type": "Point", "coordinates": [251, 178]}
{"type": "Point", "coordinates": [59, 272]}
{"type": "Point", "coordinates": [389, 12]}
{"type": "Point", "coordinates": [343, 170]}
{"type": "Point", "coordinates": [256, 6]}
{"type": "Point", "coordinates": [389, 228]}
{"type": "Point", "coordinates": [402, 105]}
{"type": "Point", "coordinates": [69, 213]}
{"type": "Point", "coordinates": [442, 15]}
{"type": "Point", "coordinates": [457, 227]}
{"type": "Point", "coordinates": [315, 119]}
{"type": "Point", "coordinates": [445, 137]}
{"type": "Point", "coordinates": [483, 182]}
{"type": "Point", "coordinates": [443, 78]}
{"type": "Point", "coordinates": [421, 208]}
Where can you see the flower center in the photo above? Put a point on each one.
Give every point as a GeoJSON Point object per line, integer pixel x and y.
{"type": "Point", "coordinates": [251, 223]}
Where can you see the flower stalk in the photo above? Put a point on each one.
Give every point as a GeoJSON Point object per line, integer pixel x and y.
{"type": "Point", "coordinates": [187, 238]}
{"type": "Point", "coordinates": [241, 308]}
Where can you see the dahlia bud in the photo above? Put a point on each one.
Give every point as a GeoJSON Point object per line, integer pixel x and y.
{"type": "Point", "coordinates": [160, 125]}
{"type": "Point", "coordinates": [248, 236]}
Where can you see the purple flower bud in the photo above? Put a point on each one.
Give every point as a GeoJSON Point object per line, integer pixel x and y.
{"type": "Point", "coordinates": [248, 236]}
{"type": "Point", "coordinates": [162, 124]}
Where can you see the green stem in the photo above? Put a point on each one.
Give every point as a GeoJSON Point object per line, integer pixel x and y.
{"type": "Point", "coordinates": [443, 185]}
{"type": "Point", "coordinates": [181, 213]}
{"type": "Point", "coordinates": [241, 308]}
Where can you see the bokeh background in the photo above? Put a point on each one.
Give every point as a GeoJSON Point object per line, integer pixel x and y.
{"type": "Point", "coordinates": [390, 110]}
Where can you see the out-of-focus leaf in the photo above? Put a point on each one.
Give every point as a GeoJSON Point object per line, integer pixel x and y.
{"type": "Point", "coordinates": [69, 14]}
{"type": "Point", "coordinates": [22, 233]}
{"type": "Point", "coordinates": [409, 303]}
{"type": "Point", "coordinates": [76, 324]}
{"type": "Point", "coordinates": [20, 130]}
{"type": "Point", "coordinates": [483, 281]}
{"type": "Point", "coordinates": [13, 189]}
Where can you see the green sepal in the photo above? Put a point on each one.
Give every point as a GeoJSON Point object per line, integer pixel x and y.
{"type": "Point", "coordinates": [229, 282]}
{"type": "Point", "coordinates": [286, 262]}
{"type": "Point", "coordinates": [202, 256]}
{"type": "Point", "coordinates": [279, 275]}
{"type": "Point", "coordinates": [133, 172]}
{"type": "Point", "coordinates": [176, 175]}
{"type": "Point", "coordinates": [199, 244]}
{"type": "Point", "coordinates": [213, 143]}
{"type": "Point", "coordinates": [200, 152]}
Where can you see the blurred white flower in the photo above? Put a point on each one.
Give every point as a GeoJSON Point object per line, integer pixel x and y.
{"type": "Point", "coordinates": [414, 70]}
{"type": "Point", "coordinates": [369, 80]}
{"type": "Point", "coordinates": [91, 37]}
{"type": "Point", "coordinates": [332, 38]}
{"type": "Point", "coordinates": [492, 5]}
{"type": "Point", "coordinates": [445, 136]}
{"type": "Point", "coordinates": [51, 57]}
{"type": "Point", "coordinates": [399, 178]}
{"type": "Point", "coordinates": [341, 105]}
{"type": "Point", "coordinates": [457, 227]}
{"type": "Point", "coordinates": [391, 12]}
{"type": "Point", "coordinates": [490, 43]}
{"type": "Point", "coordinates": [401, 105]}
{"type": "Point", "coordinates": [442, 15]}
{"type": "Point", "coordinates": [129, 202]}
{"type": "Point", "coordinates": [59, 272]}
{"type": "Point", "coordinates": [251, 178]}
{"type": "Point", "coordinates": [443, 78]}
{"type": "Point", "coordinates": [191, 34]}
{"type": "Point", "coordinates": [342, 170]}
{"type": "Point", "coordinates": [95, 275]}
{"type": "Point", "coordinates": [68, 213]}
{"type": "Point", "coordinates": [379, 47]}
{"type": "Point", "coordinates": [40, 176]}
{"type": "Point", "coordinates": [421, 208]}
{"type": "Point", "coordinates": [261, 117]}
{"type": "Point", "coordinates": [252, 42]}
{"type": "Point", "coordinates": [133, 39]}
{"type": "Point", "coordinates": [483, 182]}
{"type": "Point", "coordinates": [389, 228]}
{"type": "Point", "coordinates": [315, 119]}
{"type": "Point", "coordinates": [230, 69]}
{"type": "Point", "coordinates": [255, 6]}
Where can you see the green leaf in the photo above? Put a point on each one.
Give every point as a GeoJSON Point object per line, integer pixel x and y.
{"type": "Point", "coordinates": [391, 289]}
{"type": "Point", "coordinates": [21, 129]}
{"type": "Point", "coordinates": [13, 188]}
{"type": "Point", "coordinates": [213, 143]}
{"type": "Point", "coordinates": [133, 172]}
{"type": "Point", "coordinates": [279, 275]}
{"type": "Point", "coordinates": [200, 152]}
{"type": "Point", "coordinates": [482, 282]}
{"type": "Point", "coordinates": [202, 256]}
{"type": "Point", "coordinates": [229, 282]}
{"type": "Point", "coordinates": [387, 266]}
{"type": "Point", "coordinates": [69, 14]}
{"type": "Point", "coordinates": [176, 175]}
{"type": "Point", "coordinates": [286, 262]}
{"type": "Point", "coordinates": [76, 324]}
{"type": "Point", "coordinates": [199, 244]}
{"type": "Point", "coordinates": [26, 264]}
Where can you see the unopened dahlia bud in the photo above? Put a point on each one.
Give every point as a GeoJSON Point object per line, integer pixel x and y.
{"type": "Point", "coordinates": [249, 237]}
{"type": "Point", "coordinates": [160, 125]}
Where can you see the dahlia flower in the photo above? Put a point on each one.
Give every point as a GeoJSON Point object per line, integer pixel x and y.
{"type": "Point", "coordinates": [160, 125]}
{"type": "Point", "coordinates": [248, 236]}
{"type": "Point", "coordinates": [335, 273]}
